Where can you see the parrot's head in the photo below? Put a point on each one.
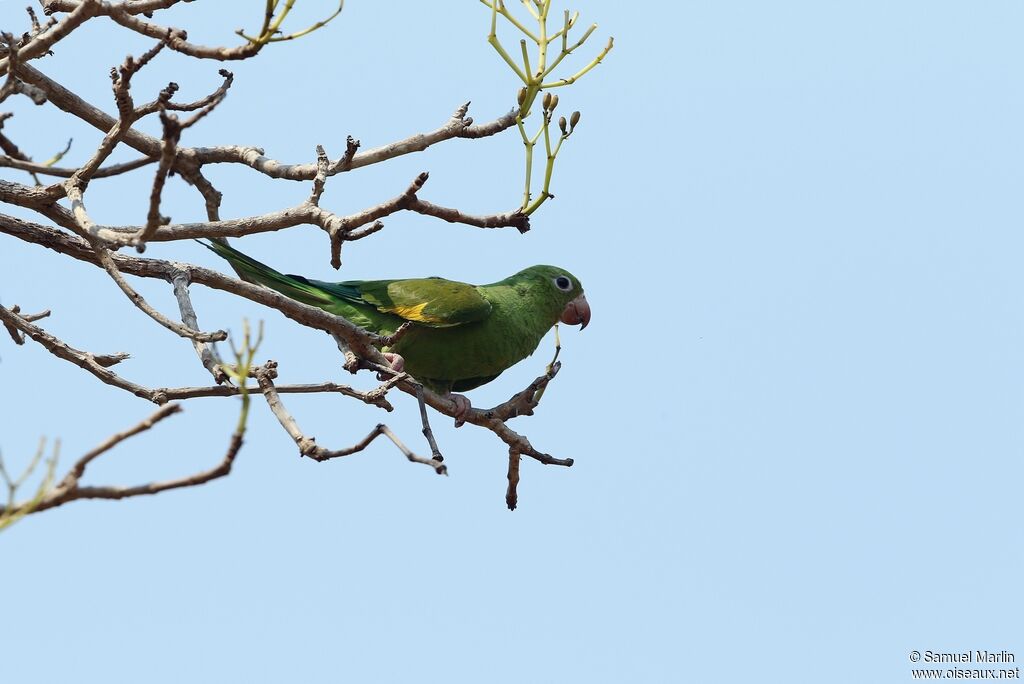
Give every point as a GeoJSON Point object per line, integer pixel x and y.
{"type": "Point", "coordinates": [558, 293]}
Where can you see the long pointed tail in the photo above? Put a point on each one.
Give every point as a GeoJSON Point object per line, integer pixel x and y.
{"type": "Point", "coordinates": [253, 271]}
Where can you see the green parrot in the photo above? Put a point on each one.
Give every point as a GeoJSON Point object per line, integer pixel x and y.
{"type": "Point", "coordinates": [462, 336]}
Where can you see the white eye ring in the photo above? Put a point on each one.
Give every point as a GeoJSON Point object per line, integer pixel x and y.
{"type": "Point", "coordinates": [563, 283]}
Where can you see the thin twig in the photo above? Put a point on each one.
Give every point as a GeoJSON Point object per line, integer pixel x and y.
{"type": "Point", "coordinates": [81, 359]}
{"type": "Point", "coordinates": [512, 494]}
{"type": "Point", "coordinates": [70, 480]}
{"type": "Point", "coordinates": [382, 429]}
{"type": "Point", "coordinates": [222, 469]}
{"type": "Point", "coordinates": [207, 352]}
{"type": "Point", "coordinates": [44, 40]}
{"type": "Point", "coordinates": [168, 149]}
{"type": "Point", "coordinates": [427, 432]}
{"type": "Point", "coordinates": [45, 170]}
{"type": "Point", "coordinates": [139, 301]}
{"type": "Point", "coordinates": [308, 447]}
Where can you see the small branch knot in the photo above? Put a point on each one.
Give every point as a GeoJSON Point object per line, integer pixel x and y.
{"type": "Point", "coordinates": [308, 447]}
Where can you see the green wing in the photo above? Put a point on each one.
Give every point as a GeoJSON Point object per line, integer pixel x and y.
{"type": "Point", "coordinates": [433, 302]}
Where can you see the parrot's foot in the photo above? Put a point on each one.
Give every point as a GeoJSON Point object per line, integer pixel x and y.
{"type": "Point", "coordinates": [462, 406]}
{"type": "Point", "coordinates": [396, 362]}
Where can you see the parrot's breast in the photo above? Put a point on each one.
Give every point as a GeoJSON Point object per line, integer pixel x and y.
{"type": "Point", "coordinates": [467, 356]}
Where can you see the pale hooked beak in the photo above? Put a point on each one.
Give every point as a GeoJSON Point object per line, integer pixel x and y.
{"type": "Point", "coordinates": [576, 312]}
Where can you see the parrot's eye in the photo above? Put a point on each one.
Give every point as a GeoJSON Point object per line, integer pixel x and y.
{"type": "Point", "coordinates": [563, 283]}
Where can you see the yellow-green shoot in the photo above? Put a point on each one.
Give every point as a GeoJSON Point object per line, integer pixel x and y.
{"type": "Point", "coordinates": [538, 76]}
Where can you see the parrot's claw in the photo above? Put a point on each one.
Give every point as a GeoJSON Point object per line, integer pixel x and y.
{"type": "Point", "coordinates": [396, 362]}
{"type": "Point", "coordinates": [462, 407]}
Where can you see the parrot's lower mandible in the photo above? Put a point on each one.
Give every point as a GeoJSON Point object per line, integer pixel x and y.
{"type": "Point", "coordinates": [462, 336]}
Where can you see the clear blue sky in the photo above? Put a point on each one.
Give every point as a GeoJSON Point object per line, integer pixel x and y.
{"type": "Point", "coordinates": [797, 416]}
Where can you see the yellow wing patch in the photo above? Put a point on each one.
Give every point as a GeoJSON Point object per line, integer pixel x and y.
{"type": "Point", "coordinates": [412, 313]}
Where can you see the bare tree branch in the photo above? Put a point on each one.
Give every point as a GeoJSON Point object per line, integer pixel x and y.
{"type": "Point", "coordinates": [70, 490]}
{"type": "Point", "coordinates": [81, 359]}
{"type": "Point", "coordinates": [207, 352]}
{"type": "Point", "coordinates": [44, 170]}
{"type": "Point", "coordinates": [361, 342]}
{"type": "Point", "coordinates": [374, 397]}
{"type": "Point", "coordinates": [427, 432]}
{"type": "Point", "coordinates": [138, 300]}
{"type": "Point", "coordinates": [82, 236]}
{"type": "Point", "coordinates": [168, 149]}
{"type": "Point", "coordinates": [512, 494]}
{"type": "Point", "coordinates": [382, 429]}
{"type": "Point", "coordinates": [74, 475]}
{"type": "Point", "coordinates": [18, 338]}
{"type": "Point", "coordinates": [265, 375]}
{"type": "Point", "coordinates": [458, 126]}
{"type": "Point", "coordinates": [253, 156]}
{"type": "Point", "coordinates": [43, 41]}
